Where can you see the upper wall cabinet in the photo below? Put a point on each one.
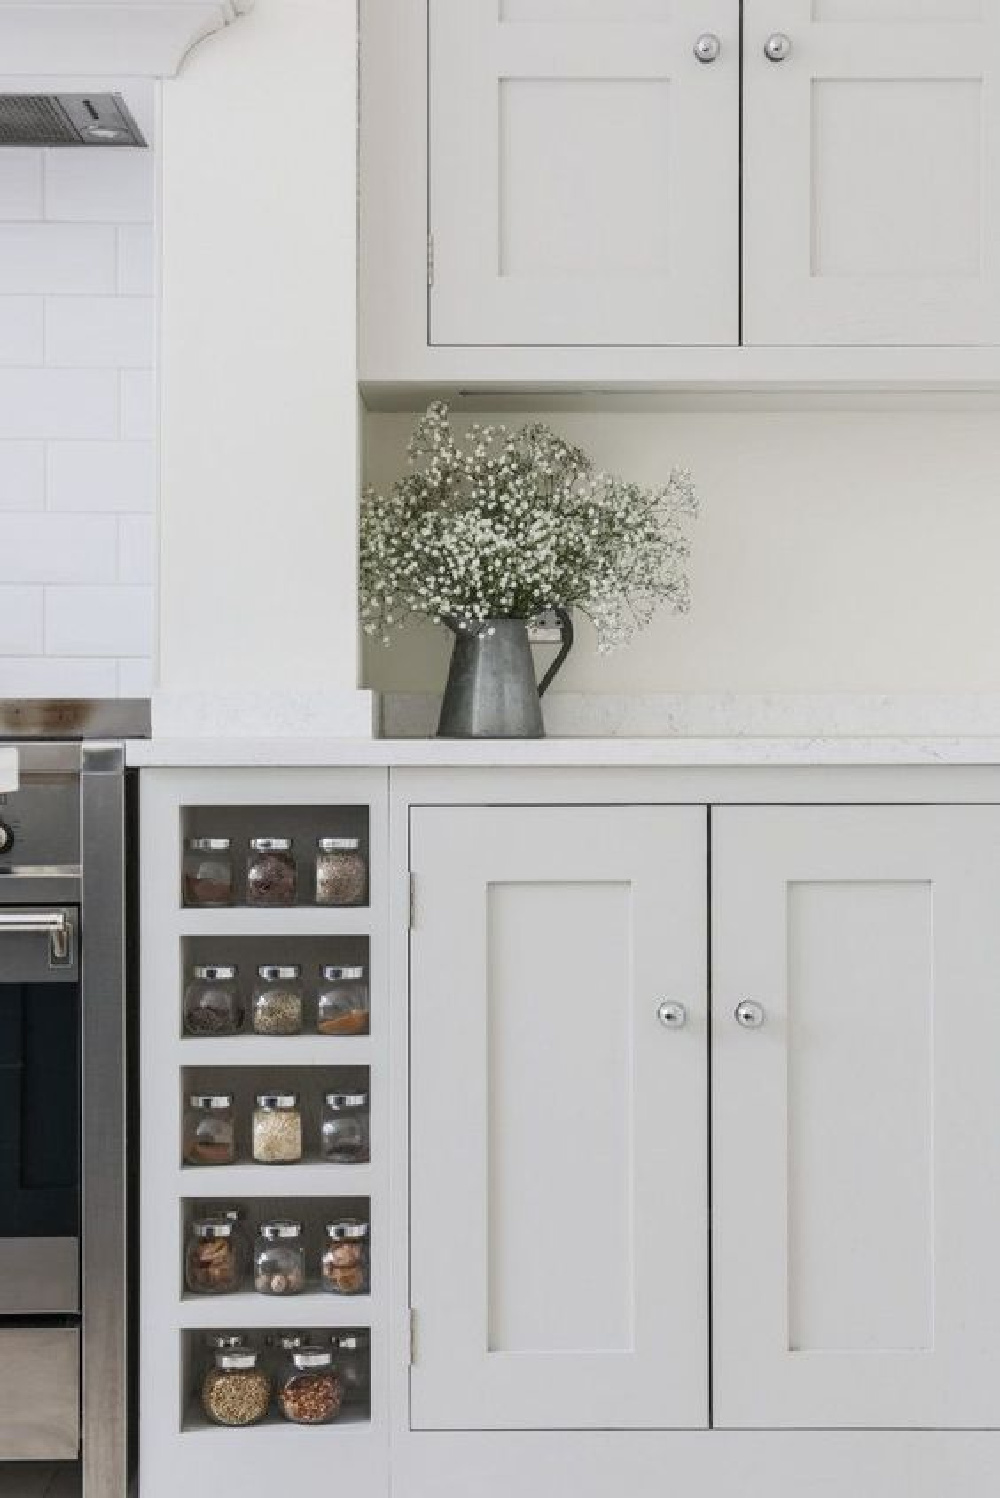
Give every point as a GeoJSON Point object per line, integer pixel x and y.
{"type": "Point", "coordinates": [583, 182]}
{"type": "Point", "coordinates": [871, 203]}
{"type": "Point", "coordinates": [655, 192]}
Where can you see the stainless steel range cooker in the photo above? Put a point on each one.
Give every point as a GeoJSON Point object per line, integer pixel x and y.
{"type": "Point", "coordinates": [64, 1260]}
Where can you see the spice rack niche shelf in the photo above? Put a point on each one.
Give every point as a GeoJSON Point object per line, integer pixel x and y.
{"type": "Point", "coordinates": [301, 920]}
{"type": "Point", "coordinates": [350, 1424]}
{"type": "Point", "coordinates": [249, 1309]}
{"type": "Point", "coordinates": [311, 1178]}
{"type": "Point", "coordinates": [263, 1051]}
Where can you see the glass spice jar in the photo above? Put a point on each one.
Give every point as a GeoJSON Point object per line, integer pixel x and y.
{"type": "Point", "coordinates": [207, 875]}
{"type": "Point", "coordinates": [310, 1391]}
{"type": "Point", "coordinates": [277, 1000]}
{"type": "Point", "coordinates": [345, 1263]}
{"type": "Point", "coordinates": [341, 871]}
{"type": "Point", "coordinates": [342, 1002]}
{"type": "Point", "coordinates": [344, 1133]}
{"type": "Point", "coordinates": [213, 1260]}
{"type": "Point", "coordinates": [209, 1129]}
{"type": "Point", "coordinates": [277, 1129]}
{"type": "Point", "coordinates": [353, 1360]}
{"type": "Point", "coordinates": [235, 1391]}
{"type": "Point", "coordinates": [271, 877]}
{"type": "Point", "coordinates": [279, 1260]}
{"type": "Point", "coordinates": [212, 1003]}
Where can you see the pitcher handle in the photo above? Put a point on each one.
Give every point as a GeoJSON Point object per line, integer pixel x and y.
{"type": "Point", "coordinates": [568, 635]}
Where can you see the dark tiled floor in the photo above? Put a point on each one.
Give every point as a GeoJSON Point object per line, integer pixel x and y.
{"type": "Point", "coordinates": [38, 1480]}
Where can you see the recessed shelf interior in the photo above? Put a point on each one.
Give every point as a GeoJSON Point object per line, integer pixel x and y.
{"type": "Point", "coordinates": [303, 824]}
{"type": "Point", "coordinates": [311, 1083]}
{"type": "Point", "coordinates": [247, 953]}
{"type": "Point", "coordinates": [314, 1212]}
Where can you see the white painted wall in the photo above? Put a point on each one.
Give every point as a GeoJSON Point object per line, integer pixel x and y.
{"type": "Point", "coordinates": [76, 456]}
{"type": "Point", "coordinates": [839, 551]}
{"type": "Point", "coordinates": [258, 401]}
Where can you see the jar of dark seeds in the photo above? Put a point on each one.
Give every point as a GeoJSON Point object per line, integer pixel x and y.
{"type": "Point", "coordinates": [310, 1391]}
{"type": "Point", "coordinates": [277, 1129]}
{"type": "Point", "coordinates": [212, 1003]}
{"type": "Point", "coordinates": [279, 1260]}
{"type": "Point", "coordinates": [342, 1001]}
{"type": "Point", "coordinates": [341, 871]}
{"type": "Point", "coordinates": [209, 1129]}
{"type": "Point", "coordinates": [345, 1264]}
{"type": "Point", "coordinates": [271, 878]}
{"type": "Point", "coordinates": [235, 1390]}
{"type": "Point", "coordinates": [345, 1128]}
{"type": "Point", "coordinates": [207, 876]}
{"type": "Point", "coordinates": [353, 1360]}
{"type": "Point", "coordinates": [213, 1260]}
{"type": "Point", "coordinates": [276, 1008]}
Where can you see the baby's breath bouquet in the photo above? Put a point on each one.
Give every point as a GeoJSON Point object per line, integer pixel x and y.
{"type": "Point", "coordinates": [506, 524]}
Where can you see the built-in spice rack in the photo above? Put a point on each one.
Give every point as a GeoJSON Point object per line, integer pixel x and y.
{"type": "Point", "coordinates": [263, 1127]}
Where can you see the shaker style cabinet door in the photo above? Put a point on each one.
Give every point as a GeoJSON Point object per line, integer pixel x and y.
{"type": "Point", "coordinates": [871, 191]}
{"type": "Point", "coordinates": [856, 1116]}
{"type": "Point", "coordinates": [584, 171]}
{"type": "Point", "coordinates": [559, 1256]}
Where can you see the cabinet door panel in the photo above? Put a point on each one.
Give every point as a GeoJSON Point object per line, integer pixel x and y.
{"type": "Point", "coordinates": [871, 200]}
{"type": "Point", "coordinates": [558, 1130]}
{"type": "Point", "coordinates": [584, 173]}
{"type": "Point", "coordinates": [857, 1131]}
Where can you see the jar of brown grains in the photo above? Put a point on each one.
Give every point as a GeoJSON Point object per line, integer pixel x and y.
{"type": "Point", "coordinates": [277, 1000]}
{"type": "Point", "coordinates": [345, 1264]}
{"type": "Point", "coordinates": [310, 1391]}
{"type": "Point", "coordinates": [271, 876]}
{"type": "Point", "coordinates": [207, 875]}
{"type": "Point", "coordinates": [212, 1003]}
{"type": "Point", "coordinates": [235, 1391]}
{"type": "Point", "coordinates": [341, 871]}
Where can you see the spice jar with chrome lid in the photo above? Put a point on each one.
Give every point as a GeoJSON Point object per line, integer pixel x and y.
{"type": "Point", "coordinates": [277, 1000]}
{"type": "Point", "coordinates": [212, 1003]}
{"type": "Point", "coordinates": [342, 1001]}
{"type": "Point", "coordinates": [279, 1260]}
{"type": "Point", "coordinates": [345, 1263]}
{"type": "Point", "coordinates": [209, 1129]}
{"type": "Point", "coordinates": [207, 874]}
{"type": "Point", "coordinates": [344, 1135]}
{"type": "Point", "coordinates": [353, 1360]}
{"type": "Point", "coordinates": [341, 871]}
{"type": "Point", "coordinates": [277, 1128]}
{"type": "Point", "coordinates": [213, 1259]}
{"type": "Point", "coordinates": [235, 1391]}
{"type": "Point", "coordinates": [310, 1391]}
{"type": "Point", "coordinates": [271, 876]}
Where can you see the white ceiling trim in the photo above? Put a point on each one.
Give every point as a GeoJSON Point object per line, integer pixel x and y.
{"type": "Point", "coordinates": [127, 38]}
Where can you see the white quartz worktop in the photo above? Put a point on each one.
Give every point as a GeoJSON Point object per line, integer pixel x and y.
{"type": "Point", "coordinates": [555, 753]}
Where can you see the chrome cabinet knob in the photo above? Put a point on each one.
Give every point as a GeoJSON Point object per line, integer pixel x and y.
{"type": "Point", "coordinates": [708, 47]}
{"type": "Point", "coordinates": [672, 1016]}
{"type": "Point", "coordinates": [749, 1015]}
{"type": "Point", "coordinates": [778, 47]}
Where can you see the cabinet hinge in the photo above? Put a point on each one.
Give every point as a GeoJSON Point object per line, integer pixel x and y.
{"type": "Point", "coordinates": [413, 902]}
{"type": "Point", "coordinates": [430, 259]}
{"type": "Point", "coordinates": [413, 1337]}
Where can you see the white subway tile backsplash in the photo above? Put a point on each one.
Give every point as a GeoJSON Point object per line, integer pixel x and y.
{"type": "Point", "coordinates": [136, 260]}
{"type": "Point", "coordinates": [57, 258]}
{"type": "Point", "coordinates": [99, 332]}
{"type": "Point", "coordinates": [38, 403]}
{"type": "Point", "coordinates": [137, 417]}
{"type": "Point", "coordinates": [48, 676]}
{"type": "Point", "coordinates": [20, 621]}
{"type": "Point", "coordinates": [100, 477]}
{"type": "Point", "coordinates": [22, 478]}
{"type": "Point", "coordinates": [99, 186]}
{"type": "Point", "coordinates": [20, 183]}
{"type": "Point", "coordinates": [21, 338]}
{"type": "Point", "coordinates": [136, 543]}
{"type": "Point", "coordinates": [45, 548]}
{"type": "Point", "coordinates": [99, 621]}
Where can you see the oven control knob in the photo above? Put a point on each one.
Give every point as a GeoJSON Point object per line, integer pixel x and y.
{"type": "Point", "coordinates": [6, 838]}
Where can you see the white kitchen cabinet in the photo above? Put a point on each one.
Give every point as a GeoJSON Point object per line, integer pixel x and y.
{"type": "Point", "coordinates": [558, 1147]}
{"type": "Point", "coordinates": [584, 173]}
{"type": "Point", "coordinates": [856, 1132]}
{"type": "Point", "coordinates": [871, 195]}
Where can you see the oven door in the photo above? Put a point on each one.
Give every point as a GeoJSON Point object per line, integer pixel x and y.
{"type": "Point", "coordinates": [39, 1111]}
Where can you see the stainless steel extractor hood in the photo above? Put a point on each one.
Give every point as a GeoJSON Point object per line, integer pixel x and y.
{"type": "Point", "coordinates": [67, 120]}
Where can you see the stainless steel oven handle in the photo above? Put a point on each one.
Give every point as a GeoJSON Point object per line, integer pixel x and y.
{"type": "Point", "coordinates": [54, 924]}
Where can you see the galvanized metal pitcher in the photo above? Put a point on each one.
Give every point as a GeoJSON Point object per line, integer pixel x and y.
{"type": "Point", "coordinates": [491, 691]}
